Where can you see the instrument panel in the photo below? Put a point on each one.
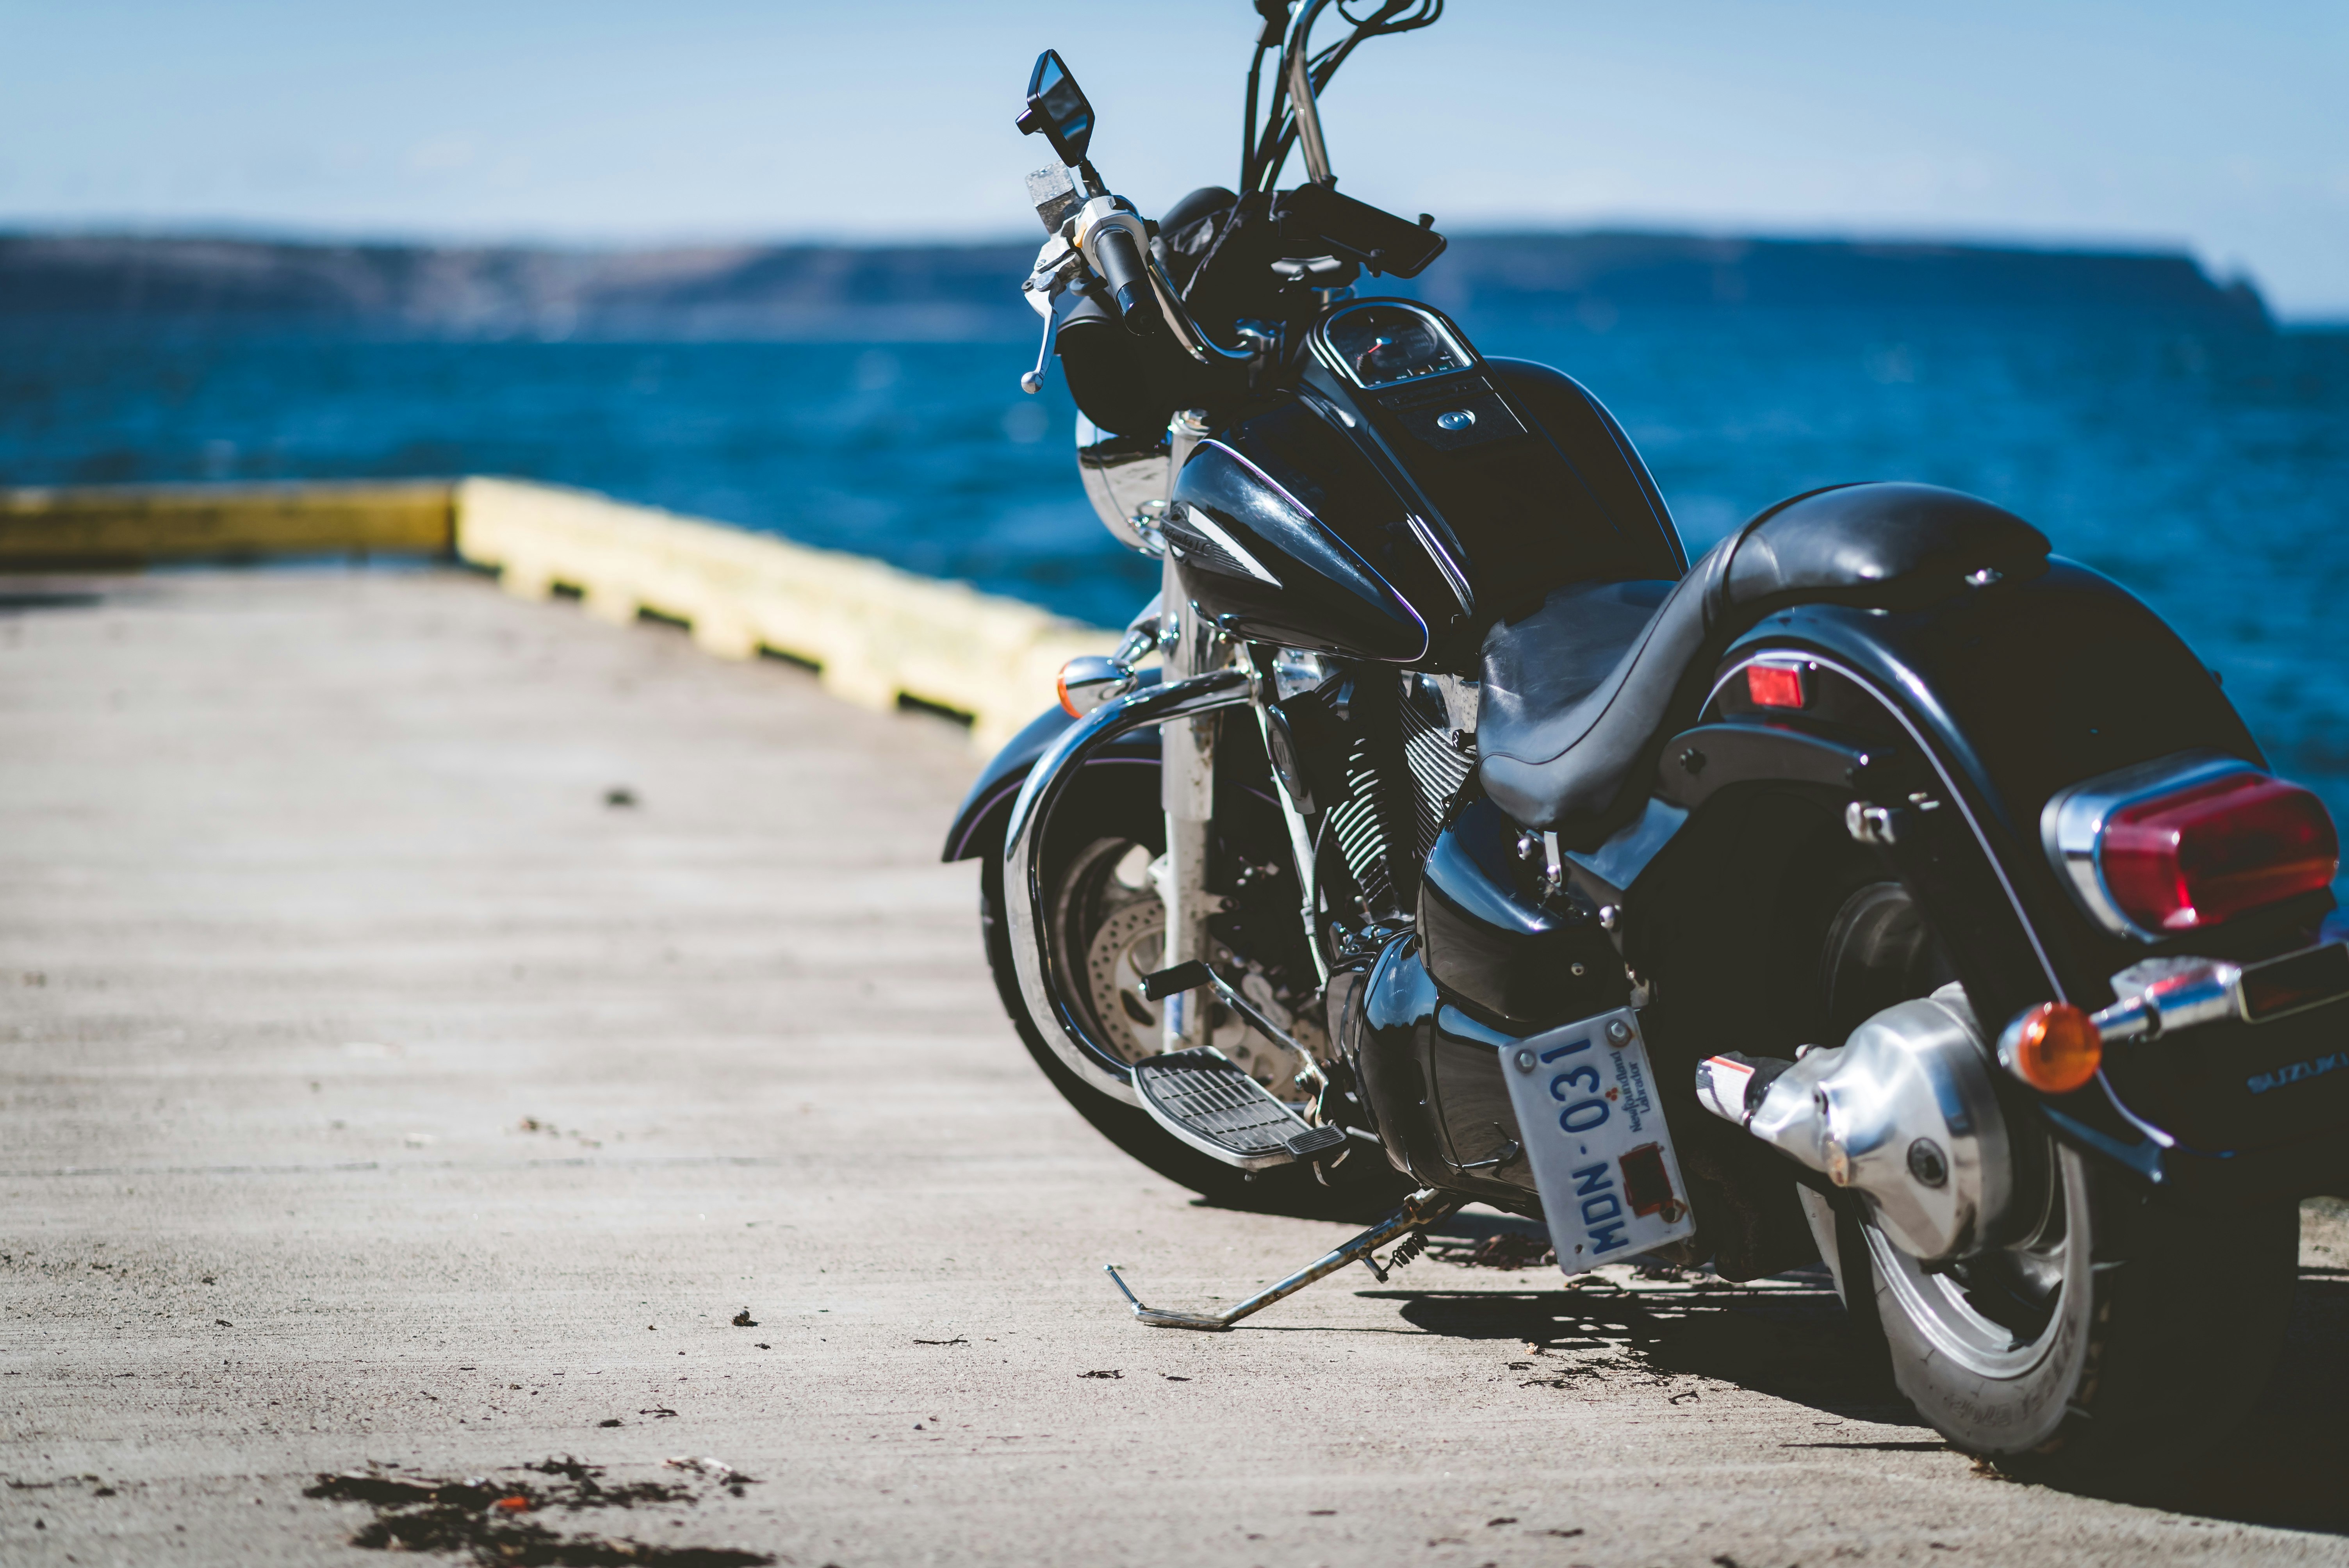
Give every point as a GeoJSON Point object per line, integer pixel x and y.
{"type": "Point", "coordinates": [1382, 342]}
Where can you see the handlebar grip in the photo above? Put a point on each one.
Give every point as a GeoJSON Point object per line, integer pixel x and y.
{"type": "Point", "coordinates": [1120, 260]}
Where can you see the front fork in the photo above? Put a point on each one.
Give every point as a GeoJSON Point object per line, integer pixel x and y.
{"type": "Point", "coordinates": [1187, 785]}
{"type": "Point", "coordinates": [1191, 645]}
{"type": "Point", "coordinates": [1187, 792]}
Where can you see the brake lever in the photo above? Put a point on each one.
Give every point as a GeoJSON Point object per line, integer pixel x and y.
{"type": "Point", "coordinates": [1033, 382]}
{"type": "Point", "coordinates": [1054, 265]}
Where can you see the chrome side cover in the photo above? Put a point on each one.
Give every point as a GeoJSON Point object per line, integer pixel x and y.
{"type": "Point", "coordinates": [1904, 1111]}
{"type": "Point", "coordinates": [1042, 984]}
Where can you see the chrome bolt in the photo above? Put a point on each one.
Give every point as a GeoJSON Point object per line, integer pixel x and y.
{"type": "Point", "coordinates": [1928, 1163]}
{"type": "Point", "coordinates": [1618, 1033]}
{"type": "Point", "coordinates": [1524, 1061]}
{"type": "Point", "coordinates": [1839, 1160]}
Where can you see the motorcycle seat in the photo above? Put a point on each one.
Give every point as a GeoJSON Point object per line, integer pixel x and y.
{"type": "Point", "coordinates": [1580, 694]}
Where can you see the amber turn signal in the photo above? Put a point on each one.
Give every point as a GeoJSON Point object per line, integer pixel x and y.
{"type": "Point", "coordinates": [1088, 681]}
{"type": "Point", "coordinates": [2052, 1046]}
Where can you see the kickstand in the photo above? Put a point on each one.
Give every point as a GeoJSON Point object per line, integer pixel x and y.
{"type": "Point", "coordinates": [1422, 1208]}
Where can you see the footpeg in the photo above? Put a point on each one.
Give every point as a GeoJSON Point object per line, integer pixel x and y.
{"type": "Point", "coordinates": [1203, 1098]}
{"type": "Point", "coordinates": [1196, 976]}
{"type": "Point", "coordinates": [1420, 1210]}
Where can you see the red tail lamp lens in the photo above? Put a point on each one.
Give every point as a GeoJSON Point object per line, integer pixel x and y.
{"type": "Point", "coordinates": [2053, 1048]}
{"type": "Point", "coordinates": [1775, 685]}
{"type": "Point", "coordinates": [2182, 862]}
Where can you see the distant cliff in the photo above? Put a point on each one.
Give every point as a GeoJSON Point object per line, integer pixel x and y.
{"type": "Point", "coordinates": [969, 291]}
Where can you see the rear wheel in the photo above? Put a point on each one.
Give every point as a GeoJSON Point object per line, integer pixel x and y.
{"type": "Point", "coordinates": [1108, 926]}
{"type": "Point", "coordinates": [2113, 1338]}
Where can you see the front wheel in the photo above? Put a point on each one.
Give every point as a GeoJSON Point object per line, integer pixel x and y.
{"type": "Point", "coordinates": [1110, 926]}
{"type": "Point", "coordinates": [2114, 1340]}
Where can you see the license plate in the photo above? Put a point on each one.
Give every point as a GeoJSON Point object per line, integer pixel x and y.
{"type": "Point", "coordinates": [1595, 1135]}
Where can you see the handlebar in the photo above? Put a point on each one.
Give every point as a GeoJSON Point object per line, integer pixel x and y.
{"type": "Point", "coordinates": [1115, 244]}
{"type": "Point", "coordinates": [1119, 259]}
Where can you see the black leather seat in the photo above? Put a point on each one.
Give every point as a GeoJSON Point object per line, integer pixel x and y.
{"type": "Point", "coordinates": [1580, 695]}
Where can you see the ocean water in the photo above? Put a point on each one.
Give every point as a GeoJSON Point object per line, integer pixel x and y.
{"type": "Point", "coordinates": [2207, 470]}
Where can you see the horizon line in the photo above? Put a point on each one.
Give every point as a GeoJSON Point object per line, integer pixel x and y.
{"type": "Point", "coordinates": [258, 231]}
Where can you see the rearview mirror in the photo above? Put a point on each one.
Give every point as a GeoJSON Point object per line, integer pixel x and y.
{"type": "Point", "coordinates": [1057, 107]}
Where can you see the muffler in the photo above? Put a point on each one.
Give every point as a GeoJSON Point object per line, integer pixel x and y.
{"type": "Point", "coordinates": [1903, 1112]}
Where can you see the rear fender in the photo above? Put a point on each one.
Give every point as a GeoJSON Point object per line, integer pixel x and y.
{"type": "Point", "coordinates": [1958, 720]}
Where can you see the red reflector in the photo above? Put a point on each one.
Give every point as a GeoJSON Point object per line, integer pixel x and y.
{"type": "Point", "coordinates": [2181, 861]}
{"type": "Point", "coordinates": [1775, 685]}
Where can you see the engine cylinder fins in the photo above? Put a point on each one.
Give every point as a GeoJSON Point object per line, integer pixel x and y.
{"type": "Point", "coordinates": [1439, 769]}
{"type": "Point", "coordinates": [1375, 825]}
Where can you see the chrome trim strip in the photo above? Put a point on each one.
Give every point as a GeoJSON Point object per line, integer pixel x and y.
{"type": "Point", "coordinates": [1452, 577]}
{"type": "Point", "coordinates": [1031, 813]}
{"type": "Point", "coordinates": [1229, 545]}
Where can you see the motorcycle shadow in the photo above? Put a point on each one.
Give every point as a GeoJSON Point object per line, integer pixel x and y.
{"type": "Point", "coordinates": [1661, 1327]}
{"type": "Point", "coordinates": [1789, 1338]}
{"type": "Point", "coordinates": [2284, 1466]}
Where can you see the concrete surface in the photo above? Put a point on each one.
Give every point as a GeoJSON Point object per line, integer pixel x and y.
{"type": "Point", "coordinates": [377, 1093]}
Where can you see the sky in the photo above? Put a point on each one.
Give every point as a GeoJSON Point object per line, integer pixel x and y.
{"type": "Point", "coordinates": [2220, 130]}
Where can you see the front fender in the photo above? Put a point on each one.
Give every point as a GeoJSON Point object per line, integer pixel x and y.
{"type": "Point", "coordinates": [1044, 981]}
{"type": "Point", "coordinates": [978, 821]}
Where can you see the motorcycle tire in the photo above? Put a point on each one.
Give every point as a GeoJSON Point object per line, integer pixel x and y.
{"type": "Point", "coordinates": [2113, 1344]}
{"type": "Point", "coordinates": [1365, 1189]}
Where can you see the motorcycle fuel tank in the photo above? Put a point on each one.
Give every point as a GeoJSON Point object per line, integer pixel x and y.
{"type": "Point", "coordinates": [1405, 493]}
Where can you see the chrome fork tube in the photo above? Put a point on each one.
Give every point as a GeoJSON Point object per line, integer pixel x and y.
{"type": "Point", "coordinates": [1186, 772]}
{"type": "Point", "coordinates": [1049, 979]}
{"type": "Point", "coordinates": [1187, 783]}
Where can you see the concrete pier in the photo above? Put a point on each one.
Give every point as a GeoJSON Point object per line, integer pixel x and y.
{"type": "Point", "coordinates": [448, 1032]}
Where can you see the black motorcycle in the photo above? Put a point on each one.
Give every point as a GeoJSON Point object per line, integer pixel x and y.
{"type": "Point", "coordinates": [1879, 889]}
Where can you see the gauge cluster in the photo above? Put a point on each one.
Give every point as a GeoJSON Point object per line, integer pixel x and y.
{"type": "Point", "coordinates": [1382, 342]}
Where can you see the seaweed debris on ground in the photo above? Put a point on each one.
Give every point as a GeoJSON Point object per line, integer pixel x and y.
{"type": "Point", "coordinates": [492, 1518]}
{"type": "Point", "coordinates": [1501, 1250]}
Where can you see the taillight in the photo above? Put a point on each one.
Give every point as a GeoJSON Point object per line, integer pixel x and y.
{"type": "Point", "coordinates": [1775, 685]}
{"type": "Point", "coordinates": [2181, 861]}
{"type": "Point", "coordinates": [2176, 846]}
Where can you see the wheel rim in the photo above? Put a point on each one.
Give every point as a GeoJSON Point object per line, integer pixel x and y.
{"type": "Point", "coordinates": [2002, 1311]}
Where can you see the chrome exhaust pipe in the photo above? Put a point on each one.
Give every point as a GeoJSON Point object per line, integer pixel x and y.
{"type": "Point", "coordinates": [1904, 1112]}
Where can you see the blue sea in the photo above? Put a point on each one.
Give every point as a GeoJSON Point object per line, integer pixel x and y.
{"type": "Point", "coordinates": [2208, 471]}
